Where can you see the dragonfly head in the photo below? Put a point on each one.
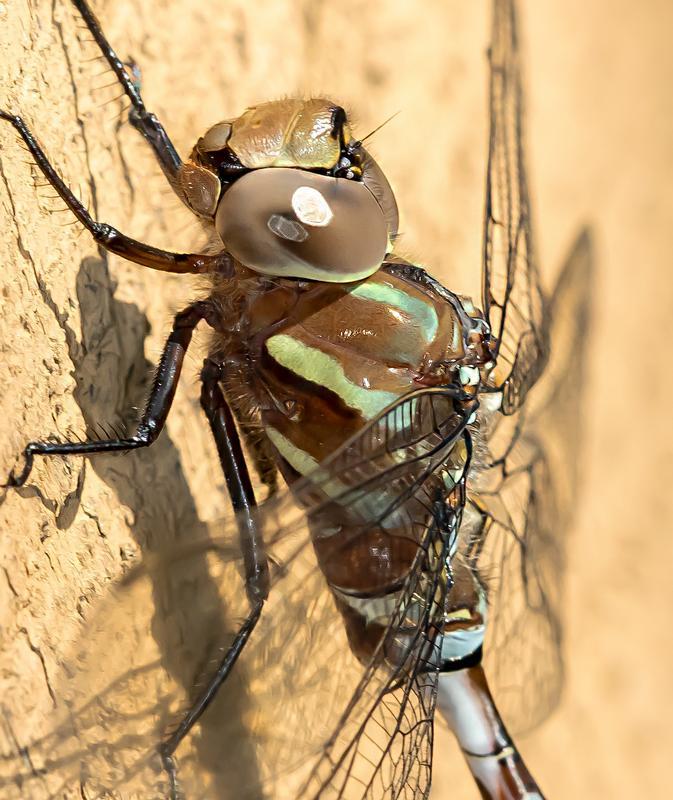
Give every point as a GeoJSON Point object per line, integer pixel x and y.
{"type": "Point", "coordinates": [292, 193]}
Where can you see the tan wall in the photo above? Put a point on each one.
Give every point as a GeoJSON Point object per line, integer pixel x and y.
{"type": "Point", "coordinates": [79, 331]}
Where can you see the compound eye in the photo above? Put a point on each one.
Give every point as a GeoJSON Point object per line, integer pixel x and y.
{"type": "Point", "coordinates": [375, 180]}
{"type": "Point", "coordinates": [289, 222]}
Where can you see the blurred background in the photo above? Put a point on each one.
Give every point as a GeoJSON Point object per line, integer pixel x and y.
{"type": "Point", "coordinates": [79, 335]}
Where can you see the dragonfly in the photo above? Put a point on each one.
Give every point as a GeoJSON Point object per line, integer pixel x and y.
{"type": "Point", "coordinates": [411, 564]}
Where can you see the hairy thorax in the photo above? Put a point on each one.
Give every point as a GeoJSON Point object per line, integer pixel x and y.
{"type": "Point", "coordinates": [318, 360]}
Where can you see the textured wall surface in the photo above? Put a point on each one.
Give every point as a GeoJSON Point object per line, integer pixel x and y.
{"type": "Point", "coordinates": [80, 330]}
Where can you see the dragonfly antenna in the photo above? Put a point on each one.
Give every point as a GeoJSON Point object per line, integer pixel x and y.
{"type": "Point", "coordinates": [391, 117]}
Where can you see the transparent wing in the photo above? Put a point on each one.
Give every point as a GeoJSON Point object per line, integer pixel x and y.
{"type": "Point", "coordinates": [382, 744]}
{"type": "Point", "coordinates": [522, 509]}
{"type": "Point", "coordinates": [512, 297]}
{"type": "Point", "coordinates": [300, 715]}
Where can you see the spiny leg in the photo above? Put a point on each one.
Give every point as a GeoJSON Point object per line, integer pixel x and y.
{"type": "Point", "coordinates": [107, 236]}
{"type": "Point", "coordinates": [157, 407]}
{"type": "Point", "coordinates": [255, 560]}
{"type": "Point", "coordinates": [238, 481]}
{"type": "Point", "coordinates": [140, 117]}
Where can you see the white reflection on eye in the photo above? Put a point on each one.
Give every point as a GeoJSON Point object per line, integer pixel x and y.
{"type": "Point", "coordinates": [287, 228]}
{"type": "Point", "coordinates": [311, 207]}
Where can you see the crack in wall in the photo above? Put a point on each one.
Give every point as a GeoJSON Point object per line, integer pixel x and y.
{"type": "Point", "coordinates": [96, 520]}
{"type": "Point", "coordinates": [78, 116]}
{"type": "Point", "coordinates": [9, 582]}
{"type": "Point", "coordinates": [38, 653]}
{"type": "Point", "coordinates": [60, 317]}
{"type": "Point", "coordinates": [126, 172]}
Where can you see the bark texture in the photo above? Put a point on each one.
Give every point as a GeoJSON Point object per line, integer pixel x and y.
{"type": "Point", "coordinates": [80, 330]}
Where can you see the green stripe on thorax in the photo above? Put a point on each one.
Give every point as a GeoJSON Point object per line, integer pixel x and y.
{"type": "Point", "coordinates": [421, 310]}
{"type": "Point", "coordinates": [313, 365]}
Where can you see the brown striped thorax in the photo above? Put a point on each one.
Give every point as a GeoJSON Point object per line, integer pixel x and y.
{"type": "Point", "coordinates": [330, 357]}
{"type": "Point", "coordinates": [292, 193]}
{"type": "Point", "coordinates": [321, 327]}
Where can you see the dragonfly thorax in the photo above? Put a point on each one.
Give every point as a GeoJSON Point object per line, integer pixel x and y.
{"type": "Point", "coordinates": [324, 359]}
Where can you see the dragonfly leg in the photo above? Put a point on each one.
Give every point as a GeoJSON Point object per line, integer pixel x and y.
{"type": "Point", "coordinates": [141, 119]}
{"type": "Point", "coordinates": [254, 556]}
{"type": "Point", "coordinates": [110, 238]}
{"type": "Point", "coordinates": [238, 481]}
{"type": "Point", "coordinates": [170, 745]}
{"type": "Point", "coordinates": [157, 407]}
{"type": "Point", "coordinates": [493, 758]}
